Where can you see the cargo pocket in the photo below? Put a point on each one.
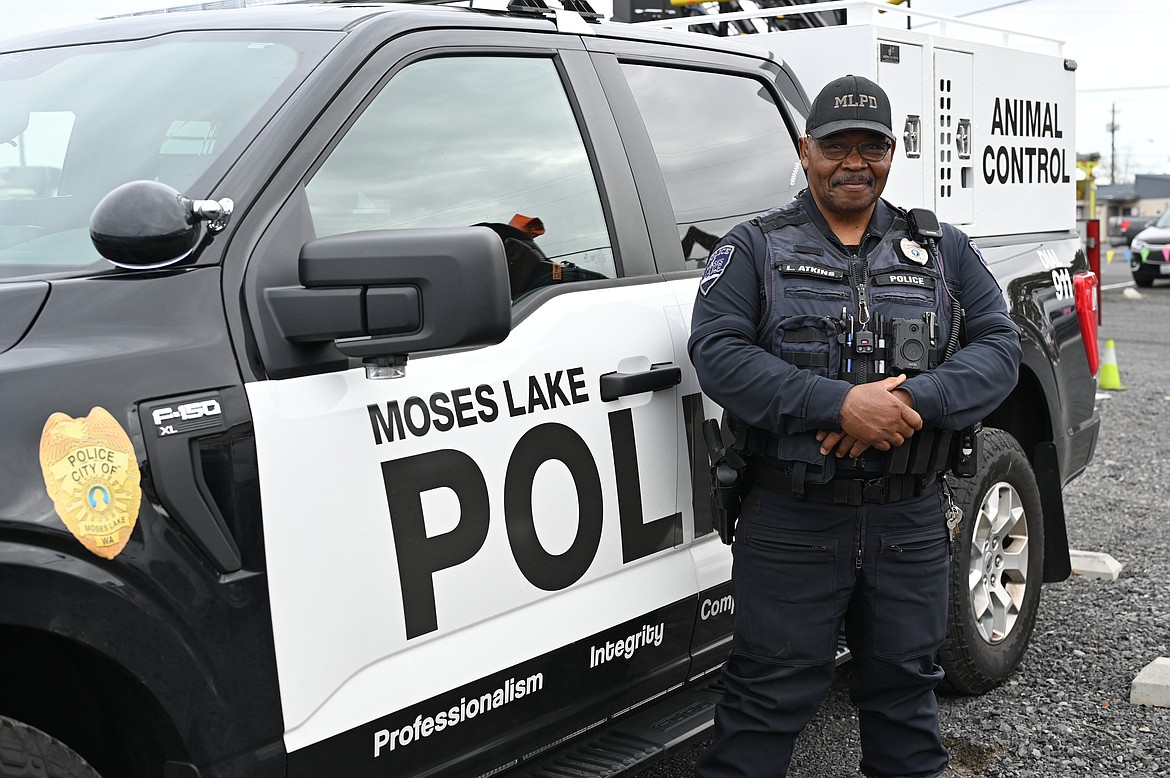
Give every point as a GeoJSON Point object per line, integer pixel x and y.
{"type": "Point", "coordinates": [783, 587]}
{"type": "Point", "coordinates": [810, 343]}
{"type": "Point", "coordinates": [911, 592]}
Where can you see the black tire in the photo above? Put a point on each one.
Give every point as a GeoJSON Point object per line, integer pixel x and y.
{"type": "Point", "coordinates": [26, 752]}
{"type": "Point", "coordinates": [996, 570]}
{"type": "Point", "coordinates": [1142, 281]}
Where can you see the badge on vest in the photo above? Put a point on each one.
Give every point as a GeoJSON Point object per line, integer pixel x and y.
{"type": "Point", "coordinates": [716, 264]}
{"type": "Point", "coordinates": [912, 252]}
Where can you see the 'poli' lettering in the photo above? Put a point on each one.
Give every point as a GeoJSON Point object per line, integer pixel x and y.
{"type": "Point", "coordinates": [420, 556]}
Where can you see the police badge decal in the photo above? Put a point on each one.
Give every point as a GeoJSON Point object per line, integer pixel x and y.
{"type": "Point", "coordinates": [92, 476]}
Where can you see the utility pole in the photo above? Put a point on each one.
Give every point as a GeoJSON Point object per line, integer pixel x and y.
{"type": "Point", "coordinates": [1111, 128]}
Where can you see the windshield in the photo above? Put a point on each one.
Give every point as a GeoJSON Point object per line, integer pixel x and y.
{"type": "Point", "coordinates": [1164, 219]}
{"type": "Point", "coordinates": [77, 122]}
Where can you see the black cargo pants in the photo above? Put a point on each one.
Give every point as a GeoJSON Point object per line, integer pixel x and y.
{"type": "Point", "coordinates": [800, 569]}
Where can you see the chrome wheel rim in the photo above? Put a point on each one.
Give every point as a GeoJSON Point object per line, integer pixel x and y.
{"type": "Point", "coordinates": [998, 562]}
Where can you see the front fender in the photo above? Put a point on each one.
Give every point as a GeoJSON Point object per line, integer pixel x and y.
{"type": "Point", "coordinates": [210, 673]}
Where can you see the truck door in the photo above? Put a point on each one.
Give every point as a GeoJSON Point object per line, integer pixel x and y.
{"type": "Point", "coordinates": [900, 71]}
{"type": "Point", "coordinates": [954, 98]}
{"type": "Point", "coordinates": [711, 140]}
{"type": "Point", "coordinates": [485, 555]}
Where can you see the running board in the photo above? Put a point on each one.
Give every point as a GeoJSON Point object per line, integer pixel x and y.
{"type": "Point", "coordinates": [632, 741]}
{"type": "Point", "coordinates": [639, 738]}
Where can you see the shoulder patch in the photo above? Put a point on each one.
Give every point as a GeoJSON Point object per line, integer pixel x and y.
{"type": "Point", "coordinates": [716, 264]}
{"type": "Point", "coordinates": [978, 253]}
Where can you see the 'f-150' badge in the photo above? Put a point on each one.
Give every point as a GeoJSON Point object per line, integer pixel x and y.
{"type": "Point", "coordinates": [92, 476]}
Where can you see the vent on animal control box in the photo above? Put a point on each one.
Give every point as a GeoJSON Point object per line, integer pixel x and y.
{"type": "Point", "coordinates": [946, 137]}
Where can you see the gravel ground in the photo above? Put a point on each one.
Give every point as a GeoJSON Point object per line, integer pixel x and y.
{"type": "Point", "coordinates": [1066, 711]}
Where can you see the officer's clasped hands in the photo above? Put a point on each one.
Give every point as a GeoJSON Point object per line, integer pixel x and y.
{"type": "Point", "coordinates": [872, 414]}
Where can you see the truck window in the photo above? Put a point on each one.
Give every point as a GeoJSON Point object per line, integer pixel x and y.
{"type": "Point", "coordinates": [722, 145]}
{"type": "Point", "coordinates": [67, 139]}
{"type": "Point", "coordinates": [461, 141]}
{"type": "Point", "coordinates": [30, 163]}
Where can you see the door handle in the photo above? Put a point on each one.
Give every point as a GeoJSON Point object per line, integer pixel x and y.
{"type": "Point", "coordinates": [661, 376]}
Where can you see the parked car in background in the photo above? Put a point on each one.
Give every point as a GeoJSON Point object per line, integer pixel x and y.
{"type": "Point", "coordinates": [1151, 252]}
{"type": "Point", "coordinates": [1123, 229]}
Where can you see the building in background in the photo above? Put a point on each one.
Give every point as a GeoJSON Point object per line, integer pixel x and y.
{"type": "Point", "coordinates": [1138, 203]}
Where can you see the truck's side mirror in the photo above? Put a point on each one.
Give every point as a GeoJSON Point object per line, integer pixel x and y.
{"type": "Point", "coordinates": [382, 295]}
{"type": "Point", "coordinates": [145, 224]}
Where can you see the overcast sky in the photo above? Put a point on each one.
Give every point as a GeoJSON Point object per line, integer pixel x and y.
{"type": "Point", "coordinates": [1120, 48]}
{"type": "Point", "coordinates": [1123, 61]}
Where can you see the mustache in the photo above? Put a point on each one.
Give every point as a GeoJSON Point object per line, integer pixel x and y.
{"type": "Point", "coordinates": [852, 178]}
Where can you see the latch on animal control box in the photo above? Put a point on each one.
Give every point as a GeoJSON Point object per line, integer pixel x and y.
{"type": "Point", "coordinates": [912, 137]}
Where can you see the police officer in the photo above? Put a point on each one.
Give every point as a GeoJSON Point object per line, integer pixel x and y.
{"type": "Point", "coordinates": [830, 330]}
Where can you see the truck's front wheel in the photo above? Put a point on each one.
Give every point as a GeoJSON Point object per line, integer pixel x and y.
{"type": "Point", "coordinates": [26, 752]}
{"type": "Point", "coordinates": [996, 569]}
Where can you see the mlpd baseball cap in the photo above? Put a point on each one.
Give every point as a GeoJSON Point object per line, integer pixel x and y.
{"type": "Point", "coordinates": [850, 103]}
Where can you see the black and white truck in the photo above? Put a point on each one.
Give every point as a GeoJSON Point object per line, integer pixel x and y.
{"type": "Point", "coordinates": [348, 426]}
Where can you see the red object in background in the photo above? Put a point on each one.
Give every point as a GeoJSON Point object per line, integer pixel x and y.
{"type": "Point", "coordinates": [1093, 250]}
{"type": "Point", "coordinates": [1088, 314]}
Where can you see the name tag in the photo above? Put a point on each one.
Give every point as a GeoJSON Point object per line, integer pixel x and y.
{"type": "Point", "coordinates": [811, 270]}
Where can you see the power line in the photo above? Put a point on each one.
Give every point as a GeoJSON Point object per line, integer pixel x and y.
{"type": "Point", "coordinates": [1125, 88]}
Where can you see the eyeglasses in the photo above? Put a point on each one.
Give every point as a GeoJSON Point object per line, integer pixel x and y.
{"type": "Point", "coordinates": [871, 151]}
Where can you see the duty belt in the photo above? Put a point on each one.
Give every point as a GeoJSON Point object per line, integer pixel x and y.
{"type": "Point", "coordinates": [842, 491]}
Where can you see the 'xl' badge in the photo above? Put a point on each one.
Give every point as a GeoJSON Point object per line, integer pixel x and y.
{"type": "Point", "coordinates": [92, 476]}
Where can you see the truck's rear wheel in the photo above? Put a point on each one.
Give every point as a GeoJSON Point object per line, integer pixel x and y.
{"type": "Point", "coordinates": [996, 569]}
{"type": "Point", "coordinates": [26, 752]}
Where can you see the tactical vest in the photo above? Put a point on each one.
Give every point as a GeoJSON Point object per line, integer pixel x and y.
{"type": "Point", "coordinates": [857, 319]}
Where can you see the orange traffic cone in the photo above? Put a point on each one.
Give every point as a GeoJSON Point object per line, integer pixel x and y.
{"type": "Point", "coordinates": [1109, 377]}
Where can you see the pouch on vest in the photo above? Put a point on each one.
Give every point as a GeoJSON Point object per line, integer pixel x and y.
{"type": "Point", "coordinates": [812, 343]}
{"type": "Point", "coordinates": [809, 342]}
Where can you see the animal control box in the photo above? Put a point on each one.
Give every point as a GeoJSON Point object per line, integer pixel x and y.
{"type": "Point", "coordinates": [985, 132]}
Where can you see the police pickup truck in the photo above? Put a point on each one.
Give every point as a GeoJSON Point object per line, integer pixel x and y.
{"type": "Point", "coordinates": [349, 428]}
